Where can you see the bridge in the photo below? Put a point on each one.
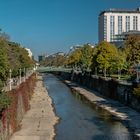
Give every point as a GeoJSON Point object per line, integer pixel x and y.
{"type": "Point", "coordinates": [53, 69]}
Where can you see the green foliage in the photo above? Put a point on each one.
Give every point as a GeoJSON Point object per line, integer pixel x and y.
{"type": "Point", "coordinates": [1, 85]}
{"type": "Point", "coordinates": [4, 101]}
{"type": "Point", "coordinates": [18, 56]}
{"type": "Point", "coordinates": [136, 91]}
{"type": "Point", "coordinates": [81, 57]}
{"type": "Point", "coordinates": [86, 56]}
{"type": "Point", "coordinates": [132, 50]}
{"type": "Point", "coordinates": [57, 61]}
{"type": "Point", "coordinates": [74, 58]}
{"type": "Point", "coordinates": [4, 64]}
{"type": "Point", "coordinates": [24, 59]}
{"type": "Point", "coordinates": [121, 60]}
{"type": "Point", "coordinates": [12, 56]}
{"type": "Point", "coordinates": [105, 56]}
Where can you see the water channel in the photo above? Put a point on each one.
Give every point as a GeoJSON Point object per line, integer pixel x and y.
{"type": "Point", "coordinates": [78, 120]}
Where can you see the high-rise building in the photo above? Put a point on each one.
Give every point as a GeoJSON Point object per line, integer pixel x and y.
{"type": "Point", "coordinates": [114, 22]}
{"type": "Point", "coordinates": [41, 58]}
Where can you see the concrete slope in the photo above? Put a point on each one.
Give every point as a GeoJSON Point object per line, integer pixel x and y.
{"type": "Point", "coordinates": [39, 121]}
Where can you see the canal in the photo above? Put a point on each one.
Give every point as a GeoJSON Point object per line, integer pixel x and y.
{"type": "Point", "coordinates": [79, 121]}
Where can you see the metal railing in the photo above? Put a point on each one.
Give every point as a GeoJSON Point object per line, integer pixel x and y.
{"type": "Point", "coordinates": [13, 83]}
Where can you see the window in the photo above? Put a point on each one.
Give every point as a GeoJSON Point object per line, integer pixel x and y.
{"type": "Point", "coordinates": [119, 24]}
{"type": "Point", "coordinates": [127, 23]}
{"type": "Point", "coordinates": [105, 27]}
{"type": "Point", "coordinates": [112, 26]}
{"type": "Point", "coordinates": [135, 23]}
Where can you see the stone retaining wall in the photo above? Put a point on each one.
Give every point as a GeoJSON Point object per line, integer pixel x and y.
{"type": "Point", "coordinates": [11, 117]}
{"type": "Point", "coordinates": [111, 88]}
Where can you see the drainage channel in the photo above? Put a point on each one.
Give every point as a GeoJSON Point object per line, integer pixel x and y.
{"type": "Point", "coordinates": [80, 121]}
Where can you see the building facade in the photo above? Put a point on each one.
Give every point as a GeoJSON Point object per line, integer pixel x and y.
{"type": "Point", "coordinates": [41, 58]}
{"type": "Point", "coordinates": [114, 22]}
{"type": "Point", "coordinates": [30, 54]}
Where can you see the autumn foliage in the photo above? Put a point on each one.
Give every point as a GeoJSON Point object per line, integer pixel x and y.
{"type": "Point", "coordinates": [20, 98]}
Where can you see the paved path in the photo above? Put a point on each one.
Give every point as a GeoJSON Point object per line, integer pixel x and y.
{"type": "Point", "coordinates": [124, 113]}
{"type": "Point", "coordinates": [39, 121]}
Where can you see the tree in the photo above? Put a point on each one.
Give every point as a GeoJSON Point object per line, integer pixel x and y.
{"type": "Point", "coordinates": [24, 59]}
{"type": "Point", "coordinates": [13, 57]}
{"type": "Point", "coordinates": [4, 64]}
{"type": "Point", "coordinates": [18, 57]}
{"type": "Point", "coordinates": [105, 56]}
{"type": "Point", "coordinates": [121, 63]}
{"type": "Point", "coordinates": [132, 49]}
{"type": "Point", "coordinates": [59, 60]}
{"type": "Point", "coordinates": [74, 58]}
{"type": "Point", "coordinates": [4, 36]}
{"type": "Point", "coordinates": [86, 56]}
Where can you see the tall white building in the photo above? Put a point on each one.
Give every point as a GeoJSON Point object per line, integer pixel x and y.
{"type": "Point", "coordinates": [114, 22]}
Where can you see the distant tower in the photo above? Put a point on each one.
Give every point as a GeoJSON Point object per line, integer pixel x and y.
{"type": "Point", "coordinates": [41, 58]}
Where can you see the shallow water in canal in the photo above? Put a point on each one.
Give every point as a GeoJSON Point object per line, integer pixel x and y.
{"type": "Point", "coordinates": [78, 120]}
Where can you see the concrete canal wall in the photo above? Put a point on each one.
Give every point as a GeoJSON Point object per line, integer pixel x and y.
{"type": "Point", "coordinates": [129, 117]}
{"type": "Point", "coordinates": [114, 89]}
{"type": "Point", "coordinates": [11, 117]}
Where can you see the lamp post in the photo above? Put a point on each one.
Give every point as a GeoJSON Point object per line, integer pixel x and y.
{"type": "Point", "coordinates": [10, 73]}
{"type": "Point", "coordinates": [119, 73]}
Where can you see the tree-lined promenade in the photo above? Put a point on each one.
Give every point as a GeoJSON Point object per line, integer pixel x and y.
{"type": "Point", "coordinates": [14, 63]}
{"type": "Point", "coordinates": [105, 59]}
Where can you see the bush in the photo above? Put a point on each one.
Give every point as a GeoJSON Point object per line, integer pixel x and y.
{"type": "Point", "coordinates": [1, 85]}
{"type": "Point", "coordinates": [136, 91]}
{"type": "Point", "coordinates": [5, 101]}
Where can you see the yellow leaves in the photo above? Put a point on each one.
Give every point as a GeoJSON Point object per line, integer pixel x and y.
{"type": "Point", "coordinates": [74, 57]}
{"type": "Point", "coordinates": [106, 53]}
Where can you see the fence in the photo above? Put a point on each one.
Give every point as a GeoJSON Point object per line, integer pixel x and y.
{"type": "Point", "coordinates": [13, 83]}
{"type": "Point", "coordinates": [20, 94]}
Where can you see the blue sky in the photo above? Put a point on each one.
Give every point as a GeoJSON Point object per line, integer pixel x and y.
{"type": "Point", "coordinates": [55, 25]}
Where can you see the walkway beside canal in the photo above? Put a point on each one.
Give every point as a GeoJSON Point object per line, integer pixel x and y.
{"type": "Point", "coordinates": [130, 117]}
{"type": "Point", "coordinates": [38, 123]}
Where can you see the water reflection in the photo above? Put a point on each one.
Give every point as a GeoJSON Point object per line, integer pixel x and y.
{"type": "Point", "coordinates": [80, 121]}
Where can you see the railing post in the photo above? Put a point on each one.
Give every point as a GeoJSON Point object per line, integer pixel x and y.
{"type": "Point", "coordinates": [10, 81]}
{"type": "Point", "coordinates": [24, 74]}
{"type": "Point", "coordinates": [20, 76]}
